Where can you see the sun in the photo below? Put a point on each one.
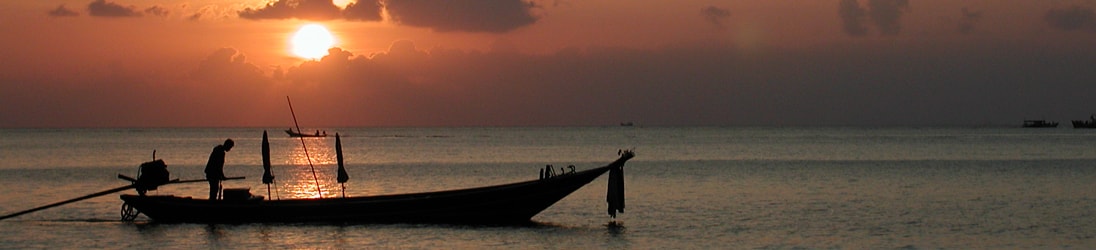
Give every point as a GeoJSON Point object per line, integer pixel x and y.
{"type": "Point", "coordinates": [312, 41]}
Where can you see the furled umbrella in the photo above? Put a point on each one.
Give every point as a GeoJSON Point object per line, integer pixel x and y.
{"type": "Point", "coordinates": [343, 176]}
{"type": "Point", "coordinates": [268, 178]}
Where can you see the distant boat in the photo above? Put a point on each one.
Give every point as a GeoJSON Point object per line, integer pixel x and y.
{"type": "Point", "coordinates": [1091, 123]}
{"type": "Point", "coordinates": [298, 134]}
{"type": "Point", "coordinates": [627, 124]}
{"type": "Point", "coordinates": [1039, 124]}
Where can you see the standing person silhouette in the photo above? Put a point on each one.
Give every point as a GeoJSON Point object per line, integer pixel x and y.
{"type": "Point", "coordinates": [214, 169]}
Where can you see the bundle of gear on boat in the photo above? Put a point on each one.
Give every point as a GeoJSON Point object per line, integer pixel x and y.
{"type": "Point", "coordinates": [548, 171]}
{"type": "Point", "coordinates": [151, 175]}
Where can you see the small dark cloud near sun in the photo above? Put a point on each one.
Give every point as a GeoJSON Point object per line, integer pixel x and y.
{"type": "Point", "coordinates": [61, 11]}
{"type": "Point", "coordinates": [210, 12]}
{"type": "Point", "coordinates": [102, 8]}
{"type": "Point", "coordinates": [157, 11]}
{"type": "Point", "coordinates": [1073, 18]}
{"type": "Point", "coordinates": [968, 19]}
{"type": "Point", "coordinates": [300, 9]}
{"type": "Point", "coordinates": [715, 16]}
{"type": "Point", "coordinates": [363, 10]}
{"type": "Point", "coordinates": [885, 15]}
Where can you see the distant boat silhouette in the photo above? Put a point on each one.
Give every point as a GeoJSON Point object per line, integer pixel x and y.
{"type": "Point", "coordinates": [1091, 123]}
{"type": "Point", "coordinates": [298, 134]}
{"type": "Point", "coordinates": [1039, 124]}
{"type": "Point", "coordinates": [627, 124]}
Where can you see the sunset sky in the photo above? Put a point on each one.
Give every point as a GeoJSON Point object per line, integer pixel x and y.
{"type": "Point", "coordinates": [205, 63]}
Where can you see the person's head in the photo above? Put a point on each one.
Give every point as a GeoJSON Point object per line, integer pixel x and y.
{"type": "Point", "coordinates": [228, 144]}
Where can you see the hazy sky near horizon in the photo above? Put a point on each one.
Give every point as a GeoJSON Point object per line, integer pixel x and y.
{"type": "Point", "coordinates": [183, 63]}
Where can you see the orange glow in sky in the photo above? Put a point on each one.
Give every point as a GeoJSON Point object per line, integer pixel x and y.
{"type": "Point", "coordinates": [200, 63]}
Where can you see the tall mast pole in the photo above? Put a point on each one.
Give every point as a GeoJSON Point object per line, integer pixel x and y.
{"type": "Point", "coordinates": [303, 145]}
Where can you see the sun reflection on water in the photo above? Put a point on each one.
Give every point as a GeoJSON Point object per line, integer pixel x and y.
{"type": "Point", "coordinates": [321, 151]}
{"type": "Point", "coordinates": [294, 177]}
{"type": "Point", "coordinates": [301, 184]}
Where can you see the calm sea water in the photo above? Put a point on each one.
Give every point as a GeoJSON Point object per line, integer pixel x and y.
{"type": "Point", "coordinates": [688, 187]}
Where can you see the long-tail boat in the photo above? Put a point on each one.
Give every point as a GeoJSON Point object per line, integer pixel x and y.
{"type": "Point", "coordinates": [513, 203]}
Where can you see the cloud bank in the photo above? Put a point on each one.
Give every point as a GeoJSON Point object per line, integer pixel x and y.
{"type": "Point", "coordinates": [102, 8]}
{"type": "Point", "coordinates": [1073, 18]}
{"type": "Point", "coordinates": [495, 16]}
{"type": "Point", "coordinates": [884, 15]}
{"type": "Point", "coordinates": [485, 16]}
{"type": "Point", "coordinates": [227, 64]}
{"type": "Point", "coordinates": [491, 16]}
{"type": "Point", "coordinates": [300, 9]}
{"type": "Point", "coordinates": [837, 85]}
{"type": "Point", "coordinates": [61, 11]}
{"type": "Point", "coordinates": [851, 84]}
{"type": "Point", "coordinates": [363, 10]}
{"type": "Point", "coordinates": [715, 16]}
{"type": "Point", "coordinates": [968, 19]}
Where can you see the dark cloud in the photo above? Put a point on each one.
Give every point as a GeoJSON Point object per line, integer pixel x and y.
{"type": "Point", "coordinates": [363, 10]}
{"type": "Point", "coordinates": [61, 11]}
{"type": "Point", "coordinates": [157, 11]}
{"type": "Point", "coordinates": [102, 8]}
{"type": "Point", "coordinates": [715, 16]}
{"type": "Point", "coordinates": [852, 18]}
{"type": "Point", "coordinates": [886, 13]}
{"type": "Point", "coordinates": [883, 14]}
{"type": "Point", "coordinates": [227, 65]}
{"type": "Point", "coordinates": [858, 84]}
{"type": "Point", "coordinates": [1073, 18]}
{"type": "Point", "coordinates": [299, 9]}
{"type": "Point", "coordinates": [968, 19]}
{"type": "Point", "coordinates": [866, 83]}
{"type": "Point", "coordinates": [493, 16]}
{"type": "Point", "coordinates": [210, 12]}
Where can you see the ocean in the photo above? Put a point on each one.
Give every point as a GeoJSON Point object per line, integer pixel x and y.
{"type": "Point", "coordinates": [687, 187]}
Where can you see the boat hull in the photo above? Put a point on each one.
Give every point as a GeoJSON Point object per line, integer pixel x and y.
{"type": "Point", "coordinates": [1039, 124]}
{"type": "Point", "coordinates": [1084, 124]}
{"type": "Point", "coordinates": [502, 204]}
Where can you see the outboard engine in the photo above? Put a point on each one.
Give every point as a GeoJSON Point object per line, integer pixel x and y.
{"type": "Point", "coordinates": [151, 175]}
